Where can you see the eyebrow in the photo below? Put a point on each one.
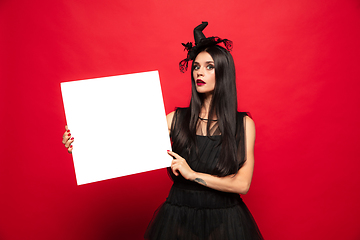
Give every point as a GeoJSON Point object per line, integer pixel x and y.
{"type": "Point", "coordinates": [205, 62]}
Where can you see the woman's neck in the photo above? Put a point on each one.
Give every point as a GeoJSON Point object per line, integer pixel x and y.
{"type": "Point", "coordinates": [205, 108]}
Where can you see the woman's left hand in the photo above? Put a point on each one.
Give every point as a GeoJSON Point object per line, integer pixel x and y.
{"type": "Point", "coordinates": [179, 165]}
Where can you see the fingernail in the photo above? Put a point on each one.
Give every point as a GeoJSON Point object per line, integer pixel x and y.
{"type": "Point", "coordinates": [70, 146]}
{"type": "Point", "coordinates": [72, 138]}
{"type": "Point", "coordinates": [168, 150]}
{"type": "Point", "coordinates": [68, 131]}
{"type": "Point", "coordinates": [69, 134]}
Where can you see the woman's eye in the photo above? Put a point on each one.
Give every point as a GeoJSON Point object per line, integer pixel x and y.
{"type": "Point", "coordinates": [210, 67]}
{"type": "Point", "coordinates": [196, 67]}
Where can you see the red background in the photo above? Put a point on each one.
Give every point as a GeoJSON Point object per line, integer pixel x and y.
{"type": "Point", "coordinates": [298, 72]}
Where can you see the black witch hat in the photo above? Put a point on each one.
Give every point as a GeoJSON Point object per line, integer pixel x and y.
{"type": "Point", "coordinates": [201, 43]}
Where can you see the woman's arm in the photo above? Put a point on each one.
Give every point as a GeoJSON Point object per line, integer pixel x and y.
{"type": "Point", "coordinates": [236, 183]}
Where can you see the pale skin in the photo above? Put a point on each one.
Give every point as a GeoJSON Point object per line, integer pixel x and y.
{"type": "Point", "coordinates": [236, 183]}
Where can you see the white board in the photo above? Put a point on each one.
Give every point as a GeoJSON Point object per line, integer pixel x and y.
{"type": "Point", "coordinates": [118, 124]}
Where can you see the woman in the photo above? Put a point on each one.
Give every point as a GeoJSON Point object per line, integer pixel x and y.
{"type": "Point", "coordinates": [213, 153]}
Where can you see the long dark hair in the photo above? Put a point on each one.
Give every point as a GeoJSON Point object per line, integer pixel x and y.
{"type": "Point", "coordinates": [223, 105]}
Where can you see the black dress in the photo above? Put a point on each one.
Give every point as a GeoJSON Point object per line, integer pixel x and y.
{"type": "Point", "coordinates": [195, 212]}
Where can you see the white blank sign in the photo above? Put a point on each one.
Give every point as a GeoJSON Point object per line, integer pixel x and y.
{"type": "Point", "coordinates": [118, 124]}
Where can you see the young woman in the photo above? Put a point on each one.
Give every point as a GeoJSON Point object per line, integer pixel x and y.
{"type": "Point", "coordinates": [213, 153]}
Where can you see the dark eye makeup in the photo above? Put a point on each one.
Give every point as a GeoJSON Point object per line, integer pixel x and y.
{"type": "Point", "coordinates": [209, 66]}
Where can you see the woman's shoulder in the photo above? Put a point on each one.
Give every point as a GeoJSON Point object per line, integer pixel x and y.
{"type": "Point", "coordinates": [245, 119]}
{"type": "Point", "coordinates": [177, 114]}
{"type": "Point", "coordinates": [242, 116]}
{"type": "Point", "coordinates": [169, 118]}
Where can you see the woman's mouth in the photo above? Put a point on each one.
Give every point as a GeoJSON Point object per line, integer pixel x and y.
{"type": "Point", "coordinates": [200, 82]}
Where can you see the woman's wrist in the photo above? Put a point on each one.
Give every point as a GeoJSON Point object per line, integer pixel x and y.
{"type": "Point", "coordinates": [193, 176]}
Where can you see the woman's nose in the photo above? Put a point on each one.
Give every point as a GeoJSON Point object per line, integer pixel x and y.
{"type": "Point", "coordinates": [200, 72]}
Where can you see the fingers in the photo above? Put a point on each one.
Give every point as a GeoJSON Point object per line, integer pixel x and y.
{"type": "Point", "coordinates": [69, 146]}
{"type": "Point", "coordinates": [67, 139]}
{"type": "Point", "coordinates": [175, 172]}
{"type": "Point", "coordinates": [173, 162]}
{"type": "Point", "coordinates": [67, 131]}
{"type": "Point", "coordinates": [174, 155]}
{"type": "Point", "coordinates": [176, 162]}
{"type": "Point", "coordinates": [66, 135]}
{"type": "Point", "coordinates": [174, 169]}
{"type": "Point", "coordinates": [180, 166]}
{"type": "Point", "coordinates": [69, 142]}
{"type": "Point", "coordinates": [70, 149]}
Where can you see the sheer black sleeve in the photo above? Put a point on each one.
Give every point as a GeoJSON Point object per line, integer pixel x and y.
{"type": "Point", "coordinates": [241, 137]}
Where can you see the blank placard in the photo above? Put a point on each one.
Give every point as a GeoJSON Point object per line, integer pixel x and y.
{"type": "Point", "coordinates": [119, 125]}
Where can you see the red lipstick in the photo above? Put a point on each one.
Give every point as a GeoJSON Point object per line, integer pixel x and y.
{"type": "Point", "coordinates": [200, 82]}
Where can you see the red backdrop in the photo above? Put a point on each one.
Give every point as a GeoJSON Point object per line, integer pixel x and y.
{"type": "Point", "coordinates": [298, 72]}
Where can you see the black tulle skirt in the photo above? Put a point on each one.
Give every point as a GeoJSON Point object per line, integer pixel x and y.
{"type": "Point", "coordinates": [200, 213]}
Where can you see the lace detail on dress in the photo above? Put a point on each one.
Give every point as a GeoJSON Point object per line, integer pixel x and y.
{"type": "Point", "coordinates": [202, 125]}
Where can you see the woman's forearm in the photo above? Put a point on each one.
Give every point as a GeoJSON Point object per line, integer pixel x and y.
{"type": "Point", "coordinates": [232, 183]}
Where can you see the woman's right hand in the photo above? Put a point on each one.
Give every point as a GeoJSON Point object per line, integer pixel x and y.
{"type": "Point", "coordinates": [67, 139]}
